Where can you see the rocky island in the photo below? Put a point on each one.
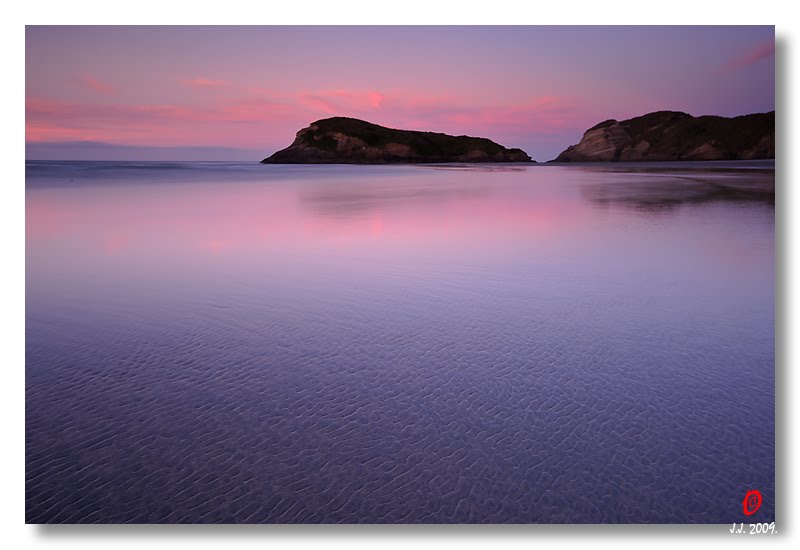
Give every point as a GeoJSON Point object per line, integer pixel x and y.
{"type": "Point", "coordinates": [341, 140]}
{"type": "Point", "coordinates": [670, 135]}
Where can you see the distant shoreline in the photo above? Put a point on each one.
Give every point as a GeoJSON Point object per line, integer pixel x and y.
{"type": "Point", "coordinates": [395, 164]}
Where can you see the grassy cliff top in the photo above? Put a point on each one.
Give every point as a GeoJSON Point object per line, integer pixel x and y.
{"type": "Point", "coordinates": [670, 130]}
{"type": "Point", "coordinates": [425, 143]}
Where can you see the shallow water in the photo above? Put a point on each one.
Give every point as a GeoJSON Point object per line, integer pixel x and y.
{"type": "Point", "coordinates": [530, 344]}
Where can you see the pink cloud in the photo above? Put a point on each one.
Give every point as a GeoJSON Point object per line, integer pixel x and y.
{"type": "Point", "coordinates": [234, 123]}
{"type": "Point", "coordinates": [446, 113]}
{"type": "Point", "coordinates": [341, 101]}
{"type": "Point", "coordinates": [241, 111]}
{"type": "Point", "coordinates": [537, 115]}
{"type": "Point", "coordinates": [763, 51]}
{"type": "Point", "coordinates": [45, 130]}
{"type": "Point", "coordinates": [96, 85]}
{"type": "Point", "coordinates": [202, 82]}
{"type": "Point", "coordinates": [317, 103]}
{"type": "Point", "coordinates": [270, 120]}
{"type": "Point", "coordinates": [254, 110]}
{"type": "Point", "coordinates": [375, 99]}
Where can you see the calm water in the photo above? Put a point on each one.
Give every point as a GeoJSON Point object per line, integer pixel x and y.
{"type": "Point", "coordinates": [242, 343]}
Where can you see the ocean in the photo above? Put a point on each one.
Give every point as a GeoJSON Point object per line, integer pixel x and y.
{"type": "Point", "coordinates": [245, 343]}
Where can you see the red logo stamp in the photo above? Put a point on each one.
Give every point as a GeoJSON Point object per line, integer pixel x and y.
{"type": "Point", "coordinates": [751, 502]}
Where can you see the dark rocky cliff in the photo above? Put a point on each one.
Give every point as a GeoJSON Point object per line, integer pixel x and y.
{"type": "Point", "coordinates": [352, 141]}
{"type": "Point", "coordinates": [670, 135]}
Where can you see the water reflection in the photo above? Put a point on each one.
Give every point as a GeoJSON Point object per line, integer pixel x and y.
{"type": "Point", "coordinates": [447, 344]}
{"type": "Point", "coordinates": [650, 190]}
{"type": "Point", "coordinates": [353, 198]}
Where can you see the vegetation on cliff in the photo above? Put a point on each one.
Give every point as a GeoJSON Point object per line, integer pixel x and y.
{"type": "Point", "coordinates": [670, 135]}
{"type": "Point", "coordinates": [349, 140]}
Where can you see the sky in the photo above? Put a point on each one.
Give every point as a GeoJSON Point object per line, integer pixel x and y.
{"type": "Point", "coordinates": [241, 93]}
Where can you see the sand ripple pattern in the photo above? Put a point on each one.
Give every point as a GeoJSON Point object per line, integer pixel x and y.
{"type": "Point", "coordinates": [455, 411]}
{"type": "Point", "coordinates": [397, 345]}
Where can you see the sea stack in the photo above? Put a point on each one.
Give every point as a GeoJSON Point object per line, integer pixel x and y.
{"type": "Point", "coordinates": [671, 135]}
{"type": "Point", "coordinates": [342, 140]}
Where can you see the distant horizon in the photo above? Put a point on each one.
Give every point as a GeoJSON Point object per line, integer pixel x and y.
{"type": "Point", "coordinates": [81, 150]}
{"type": "Point", "coordinates": [87, 151]}
{"type": "Point", "coordinates": [234, 91]}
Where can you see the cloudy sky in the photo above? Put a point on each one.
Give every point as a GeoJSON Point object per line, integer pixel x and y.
{"type": "Point", "coordinates": [240, 93]}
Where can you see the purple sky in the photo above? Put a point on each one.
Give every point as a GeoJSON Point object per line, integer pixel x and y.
{"type": "Point", "coordinates": [240, 93]}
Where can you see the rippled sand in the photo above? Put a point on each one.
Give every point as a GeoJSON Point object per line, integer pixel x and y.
{"type": "Point", "coordinates": [409, 345]}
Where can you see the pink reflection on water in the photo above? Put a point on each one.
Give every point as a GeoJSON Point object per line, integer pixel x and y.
{"type": "Point", "coordinates": [186, 223]}
{"type": "Point", "coordinates": [46, 219]}
{"type": "Point", "coordinates": [115, 243]}
{"type": "Point", "coordinates": [180, 217]}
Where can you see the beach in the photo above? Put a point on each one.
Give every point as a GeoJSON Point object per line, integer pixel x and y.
{"type": "Point", "coordinates": [235, 343]}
